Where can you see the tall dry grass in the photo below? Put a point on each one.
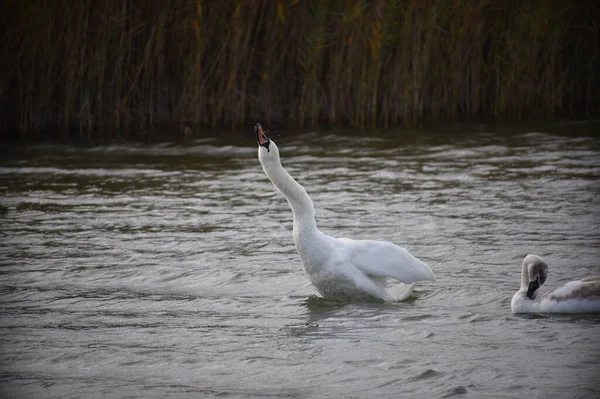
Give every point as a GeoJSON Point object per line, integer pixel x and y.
{"type": "Point", "coordinates": [124, 67]}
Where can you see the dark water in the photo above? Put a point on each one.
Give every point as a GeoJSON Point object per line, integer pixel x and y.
{"type": "Point", "coordinates": [169, 270]}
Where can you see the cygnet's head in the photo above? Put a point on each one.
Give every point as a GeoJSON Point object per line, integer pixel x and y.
{"type": "Point", "coordinates": [267, 150]}
{"type": "Point", "coordinates": [534, 274]}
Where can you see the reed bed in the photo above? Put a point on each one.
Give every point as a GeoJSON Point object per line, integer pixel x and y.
{"type": "Point", "coordinates": [125, 67]}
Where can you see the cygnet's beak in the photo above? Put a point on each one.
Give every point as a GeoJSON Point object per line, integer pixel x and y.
{"type": "Point", "coordinates": [533, 286]}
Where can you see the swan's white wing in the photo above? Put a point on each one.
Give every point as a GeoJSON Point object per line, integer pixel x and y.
{"type": "Point", "coordinates": [586, 288]}
{"type": "Point", "coordinates": [572, 304]}
{"type": "Point", "coordinates": [582, 296]}
{"type": "Point", "coordinates": [385, 259]}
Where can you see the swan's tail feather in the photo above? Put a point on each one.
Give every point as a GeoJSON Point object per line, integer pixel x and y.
{"type": "Point", "coordinates": [401, 291]}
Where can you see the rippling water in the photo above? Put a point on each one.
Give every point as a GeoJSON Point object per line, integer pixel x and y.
{"type": "Point", "coordinates": [169, 270]}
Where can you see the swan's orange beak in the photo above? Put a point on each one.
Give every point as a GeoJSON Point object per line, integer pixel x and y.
{"type": "Point", "coordinates": [261, 137]}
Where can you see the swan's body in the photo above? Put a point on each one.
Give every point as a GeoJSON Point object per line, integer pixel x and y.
{"type": "Point", "coordinates": [340, 268]}
{"type": "Point", "coordinates": [581, 296]}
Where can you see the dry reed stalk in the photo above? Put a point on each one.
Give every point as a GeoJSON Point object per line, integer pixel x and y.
{"type": "Point", "coordinates": [124, 67]}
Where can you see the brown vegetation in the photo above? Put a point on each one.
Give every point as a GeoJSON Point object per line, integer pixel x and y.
{"type": "Point", "coordinates": [125, 66]}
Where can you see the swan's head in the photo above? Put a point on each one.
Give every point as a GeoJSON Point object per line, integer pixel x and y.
{"type": "Point", "coordinates": [533, 275]}
{"type": "Point", "coordinates": [267, 150]}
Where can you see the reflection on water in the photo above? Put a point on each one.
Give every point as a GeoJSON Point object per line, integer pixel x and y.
{"type": "Point", "coordinates": [169, 269]}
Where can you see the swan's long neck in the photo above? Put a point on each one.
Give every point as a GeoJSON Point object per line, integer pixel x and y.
{"type": "Point", "coordinates": [524, 279]}
{"type": "Point", "coordinates": [300, 202]}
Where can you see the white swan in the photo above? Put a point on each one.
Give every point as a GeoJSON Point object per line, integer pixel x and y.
{"type": "Point", "coordinates": [340, 268]}
{"type": "Point", "coordinates": [581, 296]}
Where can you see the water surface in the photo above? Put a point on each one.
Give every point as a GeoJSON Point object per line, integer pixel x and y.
{"type": "Point", "coordinates": [168, 270]}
